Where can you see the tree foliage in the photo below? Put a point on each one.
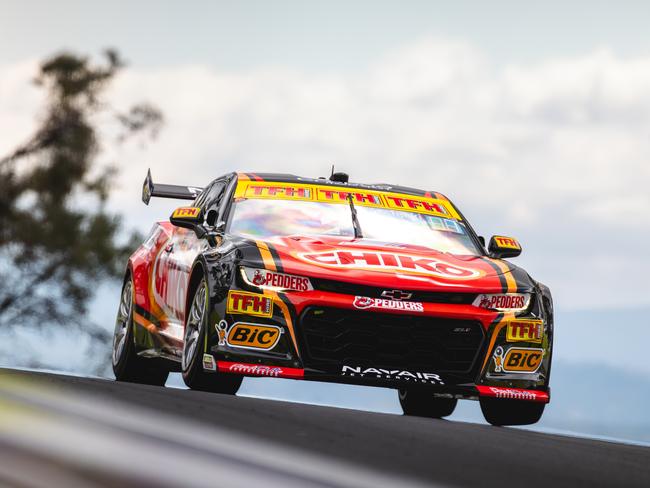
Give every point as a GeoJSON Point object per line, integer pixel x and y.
{"type": "Point", "coordinates": [57, 240]}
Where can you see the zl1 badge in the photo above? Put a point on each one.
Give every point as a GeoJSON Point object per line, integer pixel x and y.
{"type": "Point", "coordinates": [517, 360]}
{"type": "Point", "coordinates": [249, 303]}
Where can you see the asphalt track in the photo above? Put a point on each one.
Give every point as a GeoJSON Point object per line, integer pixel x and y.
{"type": "Point", "coordinates": [58, 430]}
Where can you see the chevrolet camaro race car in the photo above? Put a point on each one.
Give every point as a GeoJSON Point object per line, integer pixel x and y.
{"type": "Point", "coordinates": [274, 275]}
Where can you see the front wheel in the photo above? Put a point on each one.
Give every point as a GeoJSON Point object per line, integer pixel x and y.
{"type": "Point", "coordinates": [127, 365]}
{"type": "Point", "coordinates": [193, 350]}
{"type": "Point", "coordinates": [422, 403]}
{"type": "Point", "coordinates": [498, 411]}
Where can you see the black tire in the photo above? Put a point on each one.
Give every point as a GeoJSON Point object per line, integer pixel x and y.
{"type": "Point", "coordinates": [421, 403]}
{"type": "Point", "coordinates": [511, 412]}
{"type": "Point", "coordinates": [192, 363]}
{"type": "Point", "coordinates": [127, 365]}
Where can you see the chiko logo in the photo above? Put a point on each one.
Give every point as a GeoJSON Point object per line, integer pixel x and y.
{"type": "Point", "coordinates": [281, 281]}
{"type": "Point", "coordinates": [525, 331]}
{"type": "Point", "coordinates": [379, 303]}
{"type": "Point", "coordinates": [387, 261]}
{"type": "Point", "coordinates": [249, 303]}
{"type": "Point", "coordinates": [254, 369]}
{"type": "Point", "coordinates": [392, 374]}
{"type": "Point", "coordinates": [517, 360]}
{"type": "Point", "coordinates": [509, 301]}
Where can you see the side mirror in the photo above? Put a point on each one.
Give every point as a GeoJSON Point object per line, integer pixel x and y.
{"type": "Point", "coordinates": [504, 247]}
{"type": "Point", "coordinates": [187, 217]}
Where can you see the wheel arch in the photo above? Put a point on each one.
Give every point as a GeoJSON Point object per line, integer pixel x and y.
{"type": "Point", "coordinates": [198, 271]}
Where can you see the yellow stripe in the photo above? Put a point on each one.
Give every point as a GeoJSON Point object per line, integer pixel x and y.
{"type": "Point", "coordinates": [497, 329]}
{"type": "Point", "coordinates": [511, 284]}
{"type": "Point", "coordinates": [140, 320]}
{"type": "Point", "coordinates": [287, 317]}
{"type": "Point", "coordinates": [266, 256]}
{"type": "Point", "coordinates": [269, 263]}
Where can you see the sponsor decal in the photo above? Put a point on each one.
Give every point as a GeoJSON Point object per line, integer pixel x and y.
{"type": "Point", "coordinates": [517, 360]}
{"type": "Point", "coordinates": [507, 242]}
{"type": "Point", "coordinates": [222, 331]}
{"type": "Point", "coordinates": [392, 374]}
{"type": "Point", "coordinates": [260, 370]}
{"type": "Point", "coordinates": [186, 212]}
{"type": "Point", "coordinates": [365, 303]}
{"type": "Point", "coordinates": [341, 194]}
{"type": "Point", "coordinates": [265, 278]}
{"type": "Point", "coordinates": [249, 303]}
{"type": "Point", "coordinates": [388, 261]}
{"type": "Point", "coordinates": [503, 301]}
{"type": "Point", "coordinates": [253, 336]}
{"type": "Point", "coordinates": [525, 331]}
{"type": "Point", "coordinates": [513, 393]}
{"type": "Point", "coordinates": [208, 362]}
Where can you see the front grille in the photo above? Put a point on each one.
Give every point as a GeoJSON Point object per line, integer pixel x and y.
{"type": "Point", "coordinates": [375, 292]}
{"type": "Point", "coordinates": [333, 337]}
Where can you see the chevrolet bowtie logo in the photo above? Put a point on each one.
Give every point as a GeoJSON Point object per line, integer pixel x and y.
{"type": "Point", "coordinates": [396, 294]}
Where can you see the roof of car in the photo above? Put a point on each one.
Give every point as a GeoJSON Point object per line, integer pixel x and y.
{"type": "Point", "coordinates": [289, 178]}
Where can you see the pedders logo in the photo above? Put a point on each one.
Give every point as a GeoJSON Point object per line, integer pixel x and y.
{"type": "Point", "coordinates": [365, 303]}
{"type": "Point", "coordinates": [506, 301]}
{"type": "Point", "coordinates": [387, 261]}
{"type": "Point", "coordinates": [264, 278]}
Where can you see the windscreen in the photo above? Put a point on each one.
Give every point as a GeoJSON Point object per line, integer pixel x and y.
{"type": "Point", "coordinates": [264, 218]}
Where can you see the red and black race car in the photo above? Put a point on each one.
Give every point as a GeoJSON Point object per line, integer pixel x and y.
{"type": "Point", "coordinates": [321, 279]}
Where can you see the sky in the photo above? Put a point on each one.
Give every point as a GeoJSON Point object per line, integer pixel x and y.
{"type": "Point", "coordinates": [534, 117]}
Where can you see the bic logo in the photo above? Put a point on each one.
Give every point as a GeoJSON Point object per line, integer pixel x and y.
{"type": "Point", "coordinates": [517, 360]}
{"type": "Point", "coordinates": [249, 303]}
{"type": "Point", "coordinates": [253, 336]}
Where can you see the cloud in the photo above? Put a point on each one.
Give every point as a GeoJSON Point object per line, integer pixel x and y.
{"type": "Point", "coordinates": [555, 152]}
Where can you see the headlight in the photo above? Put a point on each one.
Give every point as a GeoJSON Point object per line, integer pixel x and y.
{"type": "Point", "coordinates": [504, 302]}
{"type": "Point", "coordinates": [271, 280]}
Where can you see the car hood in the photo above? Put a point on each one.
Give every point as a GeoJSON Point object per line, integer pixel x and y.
{"type": "Point", "coordinates": [392, 265]}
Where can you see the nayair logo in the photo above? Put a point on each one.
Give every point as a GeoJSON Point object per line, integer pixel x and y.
{"type": "Point", "coordinates": [387, 261]}
{"type": "Point", "coordinates": [249, 303]}
{"type": "Point", "coordinates": [392, 374]}
{"type": "Point", "coordinates": [253, 336]}
{"type": "Point", "coordinates": [517, 360]}
{"type": "Point", "coordinates": [525, 331]}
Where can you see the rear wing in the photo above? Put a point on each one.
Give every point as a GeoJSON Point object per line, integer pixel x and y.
{"type": "Point", "coordinates": [149, 189]}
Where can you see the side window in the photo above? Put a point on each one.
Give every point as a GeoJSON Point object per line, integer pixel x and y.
{"type": "Point", "coordinates": [214, 198]}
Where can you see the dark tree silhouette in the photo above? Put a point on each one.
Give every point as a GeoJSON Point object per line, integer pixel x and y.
{"type": "Point", "coordinates": [57, 241]}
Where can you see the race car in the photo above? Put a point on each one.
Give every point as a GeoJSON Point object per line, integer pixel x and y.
{"type": "Point", "coordinates": [275, 275]}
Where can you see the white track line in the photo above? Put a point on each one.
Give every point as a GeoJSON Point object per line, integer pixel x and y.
{"type": "Point", "coordinates": [116, 437]}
